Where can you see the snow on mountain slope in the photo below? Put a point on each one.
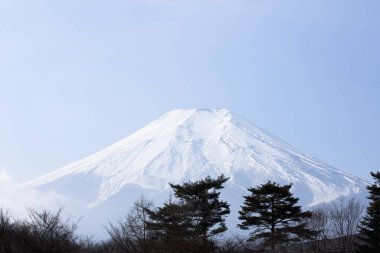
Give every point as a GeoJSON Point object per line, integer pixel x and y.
{"type": "Point", "coordinates": [190, 144]}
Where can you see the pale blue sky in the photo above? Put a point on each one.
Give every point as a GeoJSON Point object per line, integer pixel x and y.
{"type": "Point", "coordinates": [76, 76]}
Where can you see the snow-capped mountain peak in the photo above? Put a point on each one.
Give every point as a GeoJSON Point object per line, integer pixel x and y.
{"type": "Point", "coordinates": [190, 144]}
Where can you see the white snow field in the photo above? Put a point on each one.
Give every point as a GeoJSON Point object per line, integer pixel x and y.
{"type": "Point", "coordinates": [187, 145]}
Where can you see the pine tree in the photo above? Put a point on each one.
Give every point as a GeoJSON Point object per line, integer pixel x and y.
{"type": "Point", "coordinates": [369, 239]}
{"type": "Point", "coordinates": [272, 210]}
{"type": "Point", "coordinates": [187, 223]}
{"type": "Point", "coordinates": [170, 227]}
{"type": "Point", "coordinates": [207, 212]}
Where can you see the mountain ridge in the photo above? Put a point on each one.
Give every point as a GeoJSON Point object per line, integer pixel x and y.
{"type": "Point", "coordinates": [187, 144]}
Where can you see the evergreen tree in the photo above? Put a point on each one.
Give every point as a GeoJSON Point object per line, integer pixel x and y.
{"type": "Point", "coordinates": [170, 227]}
{"type": "Point", "coordinates": [369, 239]}
{"type": "Point", "coordinates": [195, 216]}
{"type": "Point", "coordinates": [272, 209]}
{"type": "Point", "coordinates": [206, 210]}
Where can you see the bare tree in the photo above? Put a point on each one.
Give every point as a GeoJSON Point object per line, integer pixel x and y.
{"type": "Point", "coordinates": [337, 226]}
{"type": "Point", "coordinates": [130, 234]}
{"type": "Point", "coordinates": [6, 232]}
{"type": "Point", "coordinates": [88, 245]}
{"type": "Point", "coordinates": [49, 232]}
{"type": "Point", "coordinates": [319, 222]}
{"type": "Point", "coordinates": [345, 217]}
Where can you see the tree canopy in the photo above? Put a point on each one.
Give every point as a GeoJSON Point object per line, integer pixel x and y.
{"type": "Point", "coordinates": [197, 215]}
{"type": "Point", "coordinates": [369, 239]}
{"type": "Point", "coordinates": [273, 211]}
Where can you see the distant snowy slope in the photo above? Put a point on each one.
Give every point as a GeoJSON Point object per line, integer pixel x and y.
{"type": "Point", "coordinates": [187, 145]}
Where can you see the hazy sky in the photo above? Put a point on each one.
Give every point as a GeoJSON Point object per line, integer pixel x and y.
{"type": "Point", "coordinates": [76, 76]}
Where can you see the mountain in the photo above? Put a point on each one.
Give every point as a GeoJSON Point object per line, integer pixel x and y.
{"type": "Point", "coordinates": [190, 144]}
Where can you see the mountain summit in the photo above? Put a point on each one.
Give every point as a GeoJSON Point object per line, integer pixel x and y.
{"type": "Point", "coordinates": [190, 144]}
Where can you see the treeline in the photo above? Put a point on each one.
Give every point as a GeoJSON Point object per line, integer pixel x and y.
{"type": "Point", "coordinates": [193, 220]}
